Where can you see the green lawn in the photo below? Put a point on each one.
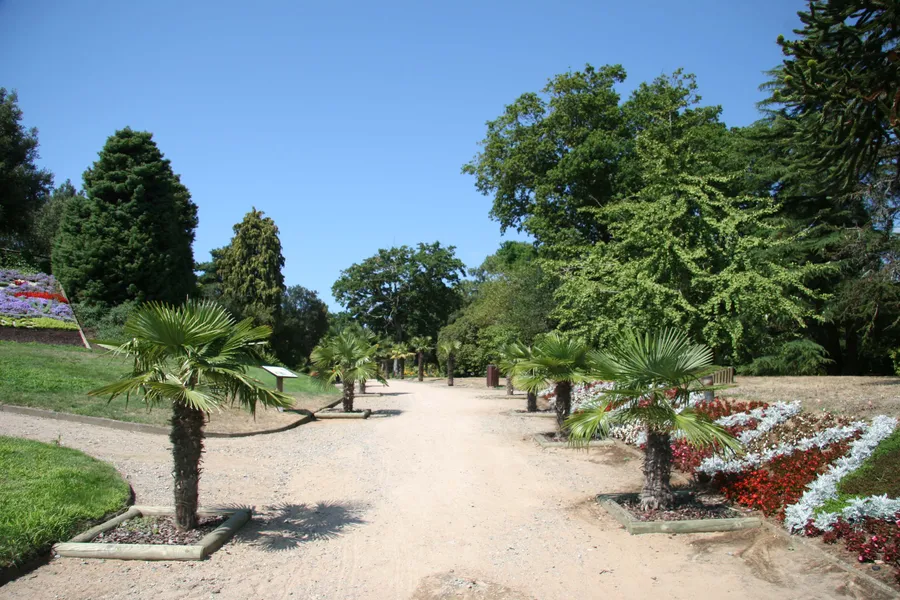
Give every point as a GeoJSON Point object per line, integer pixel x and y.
{"type": "Point", "coordinates": [49, 493]}
{"type": "Point", "coordinates": [59, 377]}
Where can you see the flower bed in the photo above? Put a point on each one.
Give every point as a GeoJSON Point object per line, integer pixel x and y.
{"type": "Point", "coordinates": [33, 301]}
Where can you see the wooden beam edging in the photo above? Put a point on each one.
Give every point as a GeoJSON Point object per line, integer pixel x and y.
{"type": "Point", "coordinates": [342, 415]}
{"type": "Point", "coordinates": [143, 427]}
{"type": "Point", "coordinates": [867, 579]}
{"type": "Point", "coordinates": [211, 542]}
{"type": "Point", "coordinates": [522, 413]}
{"type": "Point", "coordinates": [610, 502]}
{"type": "Point", "coordinates": [544, 442]}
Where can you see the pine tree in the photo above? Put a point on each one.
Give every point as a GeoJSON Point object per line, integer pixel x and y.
{"type": "Point", "coordinates": [130, 236]}
{"type": "Point", "coordinates": [252, 283]}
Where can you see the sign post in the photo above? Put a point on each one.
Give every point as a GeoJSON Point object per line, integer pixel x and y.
{"type": "Point", "coordinates": [280, 373]}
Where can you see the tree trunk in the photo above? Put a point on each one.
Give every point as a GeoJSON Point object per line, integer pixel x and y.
{"type": "Point", "coordinates": [362, 386]}
{"type": "Point", "coordinates": [396, 367]}
{"type": "Point", "coordinates": [450, 367]}
{"type": "Point", "coordinates": [509, 385]}
{"type": "Point", "coordinates": [187, 448]}
{"type": "Point", "coordinates": [402, 368]}
{"type": "Point", "coordinates": [657, 492]}
{"type": "Point", "coordinates": [532, 402]}
{"type": "Point", "coordinates": [563, 404]}
{"type": "Point", "coordinates": [348, 396]}
{"type": "Point", "coordinates": [421, 366]}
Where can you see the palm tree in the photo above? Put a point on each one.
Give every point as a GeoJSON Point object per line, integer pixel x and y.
{"type": "Point", "coordinates": [421, 344]}
{"type": "Point", "coordinates": [399, 354]}
{"type": "Point", "coordinates": [194, 356]}
{"type": "Point", "coordinates": [654, 376]}
{"type": "Point", "coordinates": [346, 356]}
{"type": "Point", "coordinates": [557, 360]}
{"type": "Point", "coordinates": [449, 348]}
{"type": "Point", "coordinates": [511, 358]}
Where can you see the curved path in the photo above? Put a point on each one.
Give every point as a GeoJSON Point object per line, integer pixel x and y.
{"type": "Point", "coordinates": [437, 496]}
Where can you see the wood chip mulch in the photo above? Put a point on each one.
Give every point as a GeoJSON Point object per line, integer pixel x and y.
{"type": "Point", "coordinates": [157, 530]}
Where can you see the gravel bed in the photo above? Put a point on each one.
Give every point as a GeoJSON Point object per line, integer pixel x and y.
{"type": "Point", "coordinates": [157, 530]}
{"type": "Point", "coordinates": [686, 509]}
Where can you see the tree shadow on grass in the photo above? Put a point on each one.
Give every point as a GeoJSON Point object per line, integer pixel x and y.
{"type": "Point", "coordinates": [284, 527]}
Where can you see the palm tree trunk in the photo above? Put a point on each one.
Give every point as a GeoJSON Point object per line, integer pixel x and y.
{"type": "Point", "coordinates": [509, 385]}
{"type": "Point", "coordinates": [348, 396]}
{"type": "Point", "coordinates": [657, 492]}
{"type": "Point", "coordinates": [396, 367]}
{"type": "Point", "coordinates": [362, 386]}
{"type": "Point", "coordinates": [532, 402]}
{"type": "Point", "coordinates": [187, 447]}
{"type": "Point", "coordinates": [563, 404]}
{"type": "Point", "coordinates": [421, 366]}
{"type": "Point", "coordinates": [450, 367]}
{"type": "Point", "coordinates": [402, 368]}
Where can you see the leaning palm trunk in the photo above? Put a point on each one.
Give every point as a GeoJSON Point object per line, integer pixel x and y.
{"type": "Point", "coordinates": [450, 366]}
{"type": "Point", "coordinates": [509, 384]}
{"type": "Point", "coordinates": [187, 446]}
{"type": "Point", "coordinates": [421, 366]}
{"type": "Point", "coordinates": [348, 396]}
{"type": "Point", "coordinates": [657, 492]}
{"type": "Point", "coordinates": [563, 404]}
{"type": "Point", "coordinates": [362, 386]}
{"type": "Point", "coordinates": [532, 402]}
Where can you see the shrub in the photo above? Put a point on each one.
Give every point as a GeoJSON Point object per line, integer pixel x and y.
{"type": "Point", "coordinates": [797, 357]}
{"type": "Point", "coordinates": [103, 322]}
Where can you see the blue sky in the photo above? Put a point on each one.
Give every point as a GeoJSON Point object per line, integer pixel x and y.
{"type": "Point", "coordinates": [348, 122]}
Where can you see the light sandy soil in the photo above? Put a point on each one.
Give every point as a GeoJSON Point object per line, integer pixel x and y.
{"type": "Point", "coordinates": [439, 496]}
{"type": "Point", "coordinates": [854, 396]}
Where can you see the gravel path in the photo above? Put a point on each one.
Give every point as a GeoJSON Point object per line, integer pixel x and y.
{"type": "Point", "coordinates": [439, 496]}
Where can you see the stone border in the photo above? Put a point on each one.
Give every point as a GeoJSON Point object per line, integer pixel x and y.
{"type": "Point", "coordinates": [142, 427]}
{"type": "Point", "coordinates": [81, 546]}
{"type": "Point", "coordinates": [610, 502]}
{"type": "Point", "coordinates": [543, 440]}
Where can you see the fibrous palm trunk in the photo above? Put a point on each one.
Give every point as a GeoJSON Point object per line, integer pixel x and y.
{"type": "Point", "coordinates": [348, 396]}
{"type": "Point", "coordinates": [509, 385]}
{"type": "Point", "coordinates": [657, 492]}
{"type": "Point", "coordinates": [187, 448]}
{"type": "Point", "coordinates": [402, 368]}
{"type": "Point", "coordinates": [362, 386]}
{"type": "Point", "coordinates": [421, 366]}
{"type": "Point", "coordinates": [532, 402]}
{"type": "Point", "coordinates": [450, 366]}
{"type": "Point", "coordinates": [563, 404]}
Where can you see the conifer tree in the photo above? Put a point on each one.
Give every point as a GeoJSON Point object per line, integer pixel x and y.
{"type": "Point", "coordinates": [250, 268]}
{"type": "Point", "coordinates": [129, 237]}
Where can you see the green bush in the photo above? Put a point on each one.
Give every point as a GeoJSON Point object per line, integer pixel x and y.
{"type": "Point", "coordinates": [797, 357]}
{"type": "Point", "coordinates": [877, 476]}
{"type": "Point", "coordinates": [102, 322]}
{"type": "Point", "coordinates": [895, 356]}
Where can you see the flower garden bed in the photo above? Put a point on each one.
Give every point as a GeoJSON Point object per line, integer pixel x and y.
{"type": "Point", "coordinates": [818, 474]}
{"type": "Point", "coordinates": [34, 309]}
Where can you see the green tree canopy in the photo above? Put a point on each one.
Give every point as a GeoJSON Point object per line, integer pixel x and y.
{"type": "Point", "coordinates": [250, 268]}
{"type": "Point", "coordinates": [403, 292]}
{"type": "Point", "coordinates": [23, 186]}
{"type": "Point", "coordinates": [48, 218]}
{"type": "Point", "coordinates": [129, 237]}
{"type": "Point", "coordinates": [304, 320]}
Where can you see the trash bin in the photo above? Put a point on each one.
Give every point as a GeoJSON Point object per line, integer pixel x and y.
{"type": "Point", "coordinates": [493, 376]}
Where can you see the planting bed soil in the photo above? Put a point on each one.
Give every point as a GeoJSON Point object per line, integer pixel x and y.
{"type": "Point", "coordinates": [157, 530]}
{"type": "Point", "coordinates": [686, 508]}
{"type": "Point", "coordinates": [66, 337]}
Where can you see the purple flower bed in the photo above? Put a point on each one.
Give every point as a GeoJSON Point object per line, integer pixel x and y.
{"type": "Point", "coordinates": [11, 306]}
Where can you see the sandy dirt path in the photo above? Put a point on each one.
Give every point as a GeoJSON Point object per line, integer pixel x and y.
{"type": "Point", "coordinates": [439, 495]}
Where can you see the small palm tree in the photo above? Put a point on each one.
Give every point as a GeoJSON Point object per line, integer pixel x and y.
{"type": "Point", "coordinates": [421, 344]}
{"type": "Point", "coordinates": [512, 356]}
{"type": "Point", "coordinates": [654, 376]}
{"type": "Point", "coordinates": [449, 348]}
{"type": "Point", "coordinates": [194, 357]}
{"type": "Point", "coordinates": [399, 354]}
{"type": "Point", "coordinates": [347, 357]}
{"type": "Point", "coordinates": [557, 360]}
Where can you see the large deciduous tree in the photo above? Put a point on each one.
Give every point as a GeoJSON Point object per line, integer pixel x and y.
{"type": "Point", "coordinates": [129, 237]}
{"type": "Point", "coordinates": [23, 186]}
{"type": "Point", "coordinates": [403, 292]}
{"type": "Point", "coordinates": [250, 268]}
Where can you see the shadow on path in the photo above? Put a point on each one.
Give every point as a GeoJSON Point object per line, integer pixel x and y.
{"type": "Point", "coordinates": [385, 412]}
{"type": "Point", "coordinates": [286, 526]}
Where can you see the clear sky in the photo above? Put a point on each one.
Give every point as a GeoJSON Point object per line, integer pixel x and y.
{"type": "Point", "coordinates": [348, 122]}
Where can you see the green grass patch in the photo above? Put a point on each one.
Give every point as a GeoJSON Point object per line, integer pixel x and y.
{"type": "Point", "coordinates": [59, 378]}
{"type": "Point", "coordinates": [878, 476]}
{"type": "Point", "coordinates": [49, 493]}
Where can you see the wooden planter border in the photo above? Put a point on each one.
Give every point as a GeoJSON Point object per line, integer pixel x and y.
{"type": "Point", "coordinates": [539, 413]}
{"type": "Point", "coordinates": [81, 545]}
{"type": "Point", "coordinates": [343, 415]}
{"type": "Point", "coordinates": [610, 502]}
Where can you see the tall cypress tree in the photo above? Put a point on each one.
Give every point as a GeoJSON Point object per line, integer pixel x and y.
{"type": "Point", "coordinates": [130, 236]}
{"type": "Point", "coordinates": [250, 267]}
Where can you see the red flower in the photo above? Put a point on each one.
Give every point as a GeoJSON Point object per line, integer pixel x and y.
{"type": "Point", "coordinates": [44, 295]}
